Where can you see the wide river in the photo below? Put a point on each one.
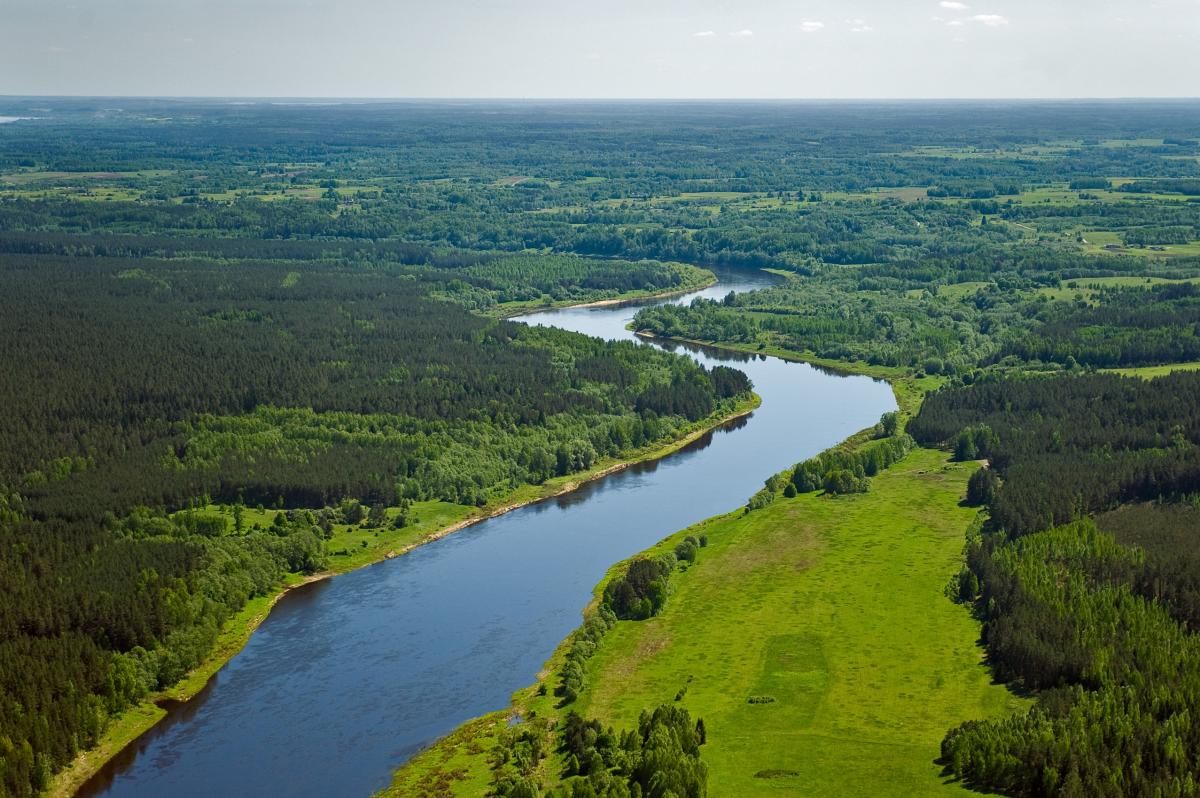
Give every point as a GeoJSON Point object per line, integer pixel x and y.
{"type": "Point", "coordinates": [348, 678]}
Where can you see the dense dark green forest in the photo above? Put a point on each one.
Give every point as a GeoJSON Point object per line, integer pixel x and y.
{"type": "Point", "coordinates": [291, 306]}
{"type": "Point", "coordinates": [1098, 622]}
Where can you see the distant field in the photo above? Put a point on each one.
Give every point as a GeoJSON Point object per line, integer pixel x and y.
{"type": "Point", "coordinates": [833, 607]}
{"type": "Point", "coordinates": [1088, 287]}
{"type": "Point", "coordinates": [1150, 372]}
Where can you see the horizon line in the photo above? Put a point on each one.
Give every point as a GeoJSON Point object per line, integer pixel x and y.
{"type": "Point", "coordinates": [605, 99]}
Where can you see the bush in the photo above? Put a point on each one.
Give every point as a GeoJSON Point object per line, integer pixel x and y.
{"type": "Point", "coordinates": [642, 591]}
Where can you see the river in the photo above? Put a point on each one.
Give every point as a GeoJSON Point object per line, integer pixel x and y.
{"type": "Point", "coordinates": [348, 678]}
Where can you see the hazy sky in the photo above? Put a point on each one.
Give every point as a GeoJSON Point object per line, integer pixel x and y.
{"type": "Point", "coordinates": [602, 48]}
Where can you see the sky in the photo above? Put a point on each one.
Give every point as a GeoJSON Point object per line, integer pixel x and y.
{"type": "Point", "coordinates": [602, 48]}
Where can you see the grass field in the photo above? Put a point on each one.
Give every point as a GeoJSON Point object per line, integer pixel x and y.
{"type": "Point", "coordinates": [1150, 372]}
{"type": "Point", "coordinates": [833, 608]}
{"type": "Point", "coordinates": [1088, 288]}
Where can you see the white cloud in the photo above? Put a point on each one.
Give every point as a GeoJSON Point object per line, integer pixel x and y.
{"type": "Point", "coordinates": [991, 20]}
{"type": "Point", "coordinates": [861, 29]}
{"type": "Point", "coordinates": [745, 33]}
{"type": "Point", "coordinates": [811, 26]}
{"type": "Point", "coordinates": [954, 5]}
{"type": "Point", "coordinates": [954, 23]}
{"type": "Point", "coordinates": [704, 34]}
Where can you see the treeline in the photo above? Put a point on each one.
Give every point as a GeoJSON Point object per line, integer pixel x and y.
{"type": "Point", "coordinates": [1119, 677]}
{"type": "Point", "coordinates": [841, 469]}
{"type": "Point", "coordinates": [174, 379]}
{"type": "Point", "coordinates": [1099, 626]}
{"type": "Point", "coordinates": [1066, 446]}
{"type": "Point", "coordinates": [1190, 187]}
{"type": "Point", "coordinates": [526, 278]}
{"type": "Point", "coordinates": [849, 471]}
{"type": "Point", "coordinates": [1131, 327]}
{"type": "Point", "coordinates": [94, 619]}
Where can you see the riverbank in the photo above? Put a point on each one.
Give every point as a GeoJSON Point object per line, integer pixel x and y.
{"type": "Point", "coordinates": [695, 278]}
{"type": "Point", "coordinates": [868, 581]}
{"type": "Point", "coordinates": [360, 547]}
{"type": "Point", "coordinates": [829, 611]}
{"type": "Point", "coordinates": [909, 388]}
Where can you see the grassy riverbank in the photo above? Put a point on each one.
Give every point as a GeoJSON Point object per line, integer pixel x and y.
{"type": "Point", "coordinates": [352, 547]}
{"type": "Point", "coordinates": [833, 607]}
{"type": "Point", "coordinates": [693, 278]}
{"type": "Point", "coordinates": [830, 607]}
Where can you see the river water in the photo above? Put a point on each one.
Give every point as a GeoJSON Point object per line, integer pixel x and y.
{"type": "Point", "coordinates": [348, 678]}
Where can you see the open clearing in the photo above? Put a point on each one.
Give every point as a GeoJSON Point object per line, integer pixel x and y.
{"type": "Point", "coordinates": [833, 607]}
{"type": "Point", "coordinates": [1150, 372]}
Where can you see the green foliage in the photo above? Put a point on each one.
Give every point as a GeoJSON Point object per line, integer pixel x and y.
{"type": "Point", "coordinates": [658, 760]}
{"type": "Point", "coordinates": [1131, 327]}
{"type": "Point", "coordinates": [345, 388]}
{"type": "Point", "coordinates": [560, 278]}
{"type": "Point", "coordinates": [849, 471]}
{"type": "Point", "coordinates": [1061, 614]}
{"type": "Point", "coordinates": [118, 614]}
{"type": "Point", "coordinates": [642, 590]}
{"type": "Point", "coordinates": [982, 487]}
{"type": "Point", "coordinates": [257, 310]}
{"type": "Point", "coordinates": [584, 642]}
{"type": "Point", "coordinates": [889, 425]}
{"type": "Point", "coordinates": [1064, 446]}
{"type": "Point", "coordinates": [1100, 629]}
{"type": "Point", "coordinates": [974, 443]}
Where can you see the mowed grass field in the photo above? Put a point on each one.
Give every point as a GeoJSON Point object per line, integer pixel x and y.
{"type": "Point", "coordinates": [833, 608]}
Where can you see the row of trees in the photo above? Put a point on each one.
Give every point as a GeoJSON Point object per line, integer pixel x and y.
{"type": "Point", "coordinates": [845, 469]}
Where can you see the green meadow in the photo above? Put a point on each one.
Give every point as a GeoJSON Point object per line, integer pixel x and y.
{"type": "Point", "coordinates": [1150, 372]}
{"type": "Point", "coordinates": [830, 613]}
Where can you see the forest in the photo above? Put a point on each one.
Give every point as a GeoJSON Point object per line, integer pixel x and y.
{"type": "Point", "coordinates": [1085, 576]}
{"type": "Point", "coordinates": [288, 384]}
{"type": "Point", "coordinates": [301, 308]}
